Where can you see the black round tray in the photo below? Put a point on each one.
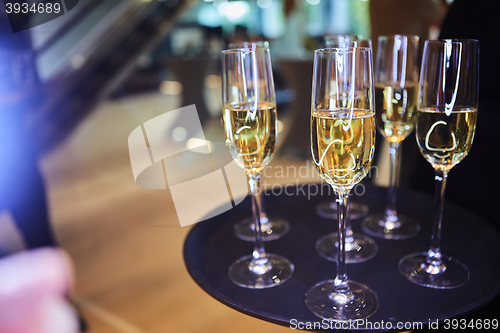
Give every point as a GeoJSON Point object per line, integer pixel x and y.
{"type": "Point", "coordinates": [211, 247]}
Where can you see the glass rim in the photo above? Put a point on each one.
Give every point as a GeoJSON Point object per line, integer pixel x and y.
{"type": "Point", "coordinates": [386, 37]}
{"type": "Point", "coordinates": [354, 37]}
{"type": "Point", "coordinates": [452, 41]}
{"type": "Point", "coordinates": [245, 45]}
{"type": "Point", "coordinates": [245, 50]}
{"type": "Point", "coordinates": [350, 49]}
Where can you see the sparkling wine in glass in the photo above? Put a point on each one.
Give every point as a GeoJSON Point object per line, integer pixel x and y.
{"type": "Point", "coordinates": [342, 144]}
{"type": "Point", "coordinates": [250, 124]}
{"type": "Point", "coordinates": [328, 209]}
{"type": "Point", "coordinates": [446, 123]}
{"type": "Point", "coordinates": [396, 90]}
{"type": "Point", "coordinates": [359, 247]}
{"type": "Point", "coordinates": [272, 226]}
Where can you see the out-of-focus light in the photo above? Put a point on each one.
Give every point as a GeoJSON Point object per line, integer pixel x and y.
{"type": "Point", "coordinates": [171, 88]}
{"type": "Point", "coordinates": [313, 2]}
{"type": "Point", "coordinates": [208, 0]}
{"type": "Point", "coordinates": [213, 81]}
{"type": "Point", "coordinates": [264, 3]}
{"type": "Point", "coordinates": [234, 10]}
{"type": "Point", "coordinates": [208, 16]}
{"type": "Point", "coordinates": [179, 134]}
{"type": "Point", "coordinates": [280, 126]}
{"type": "Point", "coordinates": [218, 2]}
{"type": "Point", "coordinates": [77, 61]}
{"type": "Point", "coordinates": [194, 143]}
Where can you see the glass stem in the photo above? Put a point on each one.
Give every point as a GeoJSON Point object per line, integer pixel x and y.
{"type": "Point", "coordinates": [263, 216]}
{"type": "Point", "coordinates": [254, 183]}
{"type": "Point", "coordinates": [390, 210]}
{"type": "Point", "coordinates": [349, 232]}
{"type": "Point", "coordinates": [434, 254]}
{"type": "Point", "coordinates": [340, 283]}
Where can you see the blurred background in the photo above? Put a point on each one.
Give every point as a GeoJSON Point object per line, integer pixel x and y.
{"type": "Point", "coordinates": [86, 79]}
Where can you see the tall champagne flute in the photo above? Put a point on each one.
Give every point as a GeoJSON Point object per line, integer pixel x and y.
{"type": "Point", "coordinates": [396, 89]}
{"type": "Point", "coordinates": [342, 144]}
{"type": "Point", "coordinates": [446, 123]}
{"type": "Point", "coordinates": [328, 209]}
{"type": "Point", "coordinates": [250, 124]}
{"type": "Point", "coordinates": [359, 247]}
{"type": "Point", "coordinates": [272, 226]}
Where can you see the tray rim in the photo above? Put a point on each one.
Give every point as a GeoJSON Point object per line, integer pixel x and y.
{"type": "Point", "coordinates": [213, 292]}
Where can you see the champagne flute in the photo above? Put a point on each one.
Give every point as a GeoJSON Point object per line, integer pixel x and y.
{"type": "Point", "coordinates": [250, 124]}
{"type": "Point", "coordinates": [328, 209]}
{"type": "Point", "coordinates": [342, 144]}
{"type": "Point", "coordinates": [446, 123]}
{"type": "Point", "coordinates": [396, 89]}
{"type": "Point", "coordinates": [272, 227]}
{"type": "Point", "coordinates": [358, 247]}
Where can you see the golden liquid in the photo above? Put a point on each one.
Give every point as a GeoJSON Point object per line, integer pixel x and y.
{"type": "Point", "coordinates": [343, 143]}
{"type": "Point", "coordinates": [251, 134]}
{"type": "Point", "coordinates": [445, 140]}
{"type": "Point", "coordinates": [396, 111]}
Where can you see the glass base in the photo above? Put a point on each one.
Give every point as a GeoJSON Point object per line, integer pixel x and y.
{"type": "Point", "coordinates": [450, 274]}
{"type": "Point", "coordinates": [361, 303]}
{"type": "Point", "coordinates": [328, 210]}
{"type": "Point", "coordinates": [401, 227]}
{"type": "Point", "coordinates": [272, 227]}
{"type": "Point", "coordinates": [271, 271]}
{"type": "Point", "coordinates": [358, 248]}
